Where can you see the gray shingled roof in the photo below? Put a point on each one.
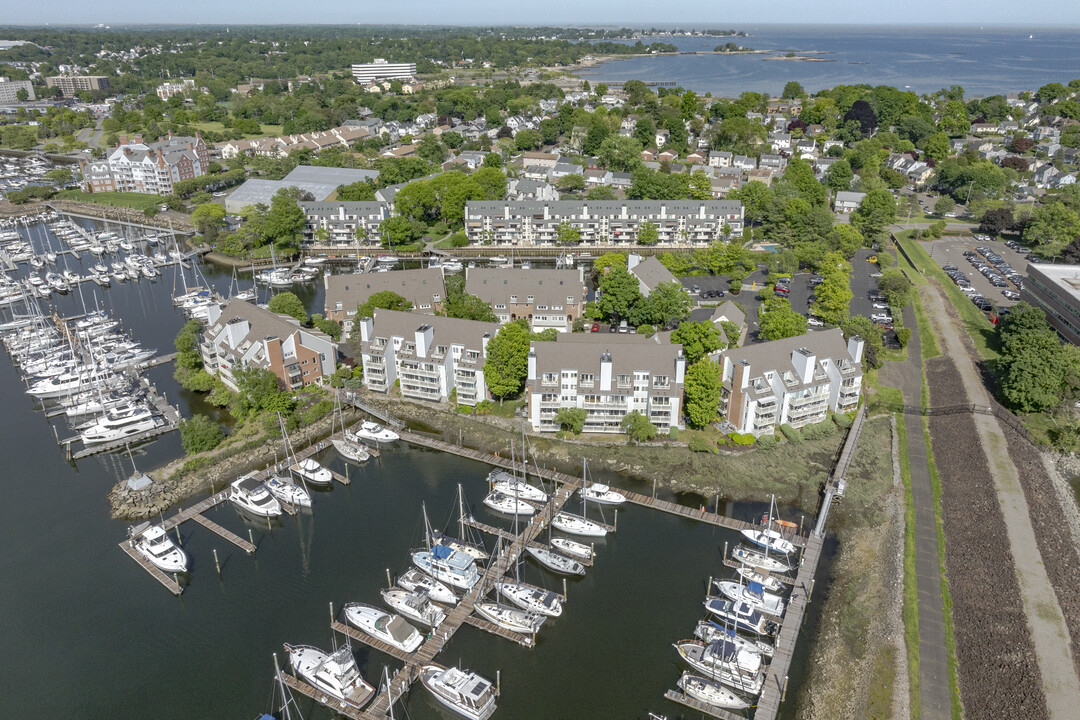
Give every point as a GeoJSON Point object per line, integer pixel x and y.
{"type": "Point", "coordinates": [446, 331]}
{"type": "Point", "coordinates": [329, 175]}
{"type": "Point", "coordinates": [548, 287]}
{"type": "Point", "coordinates": [416, 286]}
{"type": "Point", "coordinates": [652, 272]}
{"type": "Point", "coordinates": [627, 356]}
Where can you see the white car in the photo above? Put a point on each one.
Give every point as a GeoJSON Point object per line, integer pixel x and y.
{"type": "Point", "coordinates": [875, 275]}
{"type": "Point", "coordinates": [881, 318]}
{"type": "Point", "coordinates": [814, 322]}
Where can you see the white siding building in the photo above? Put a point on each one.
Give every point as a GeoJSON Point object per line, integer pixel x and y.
{"type": "Point", "coordinates": [381, 70]}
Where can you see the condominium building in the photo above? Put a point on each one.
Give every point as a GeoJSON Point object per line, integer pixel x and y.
{"type": "Point", "coordinates": [608, 377]}
{"type": "Point", "coordinates": [429, 357]}
{"type": "Point", "coordinates": [795, 381]}
{"type": "Point", "coordinates": [545, 298]}
{"type": "Point", "coordinates": [242, 335]}
{"type": "Point", "coordinates": [147, 167]}
{"type": "Point", "coordinates": [337, 223]}
{"type": "Point", "coordinates": [381, 70]}
{"type": "Point", "coordinates": [424, 288]}
{"type": "Point", "coordinates": [9, 90]}
{"type": "Point", "coordinates": [74, 84]}
{"type": "Point", "coordinates": [677, 222]}
{"type": "Point", "coordinates": [167, 90]}
{"type": "Point", "coordinates": [1056, 290]}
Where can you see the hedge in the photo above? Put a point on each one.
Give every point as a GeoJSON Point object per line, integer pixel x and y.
{"type": "Point", "coordinates": [742, 438]}
{"type": "Point", "coordinates": [791, 433]}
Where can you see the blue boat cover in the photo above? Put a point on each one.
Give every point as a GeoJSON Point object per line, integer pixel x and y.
{"type": "Point", "coordinates": [441, 552]}
{"type": "Point", "coordinates": [757, 588]}
{"type": "Point", "coordinates": [729, 631]}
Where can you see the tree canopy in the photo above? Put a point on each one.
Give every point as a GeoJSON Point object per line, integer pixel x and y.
{"type": "Point", "coordinates": [702, 386]}
{"type": "Point", "coordinates": [506, 367]}
{"type": "Point", "coordinates": [287, 303]}
{"type": "Point", "coordinates": [698, 339]}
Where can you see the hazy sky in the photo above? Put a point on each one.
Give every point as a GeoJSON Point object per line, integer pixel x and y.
{"type": "Point", "coordinates": [697, 13]}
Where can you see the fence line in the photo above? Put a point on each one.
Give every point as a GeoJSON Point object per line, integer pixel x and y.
{"type": "Point", "coordinates": [969, 409]}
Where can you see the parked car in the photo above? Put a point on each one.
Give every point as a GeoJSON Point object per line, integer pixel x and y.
{"type": "Point", "coordinates": [782, 289]}
{"type": "Point", "coordinates": [875, 275]}
{"type": "Point", "coordinates": [611, 328]}
{"type": "Point", "coordinates": [881, 317]}
{"type": "Point", "coordinates": [814, 322]}
{"type": "Point", "coordinates": [596, 327]}
{"type": "Point", "coordinates": [880, 306]}
{"type": "Point", "coordinates": [695, 289]}
{"type": "Point", "coordinates": [623, 327]}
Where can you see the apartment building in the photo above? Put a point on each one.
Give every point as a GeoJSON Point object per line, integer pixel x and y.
{"type": "Point", "coordinates": [147, 167]}
{"type": "Point", "coordinates": [1056, 290]}
{"type": "Point", "coordinates": [607, 376]}
{"type": "Point", "coordinates": [678, 222]}
{"type": "Point", "coordinates": [71, 85]}
{"type": "Point", "coordinates": [9, 90]}
{"type": "Point", "coordinates": [168, 89]}
{"type": "Point", "coordinates": [242, 335]}
{"type": "Point", "coordinates": [429, 357]}
{"type": "Point", "coordinates": [795, 381]}
{"type": "Point", "coordinates": [340, 220]}
{"type": "Point", "coordinates": [545, 298]}
{"type": "Point", "coordinates": [424, 288]}
{"type": "Point", "coordinates": [379, 70]}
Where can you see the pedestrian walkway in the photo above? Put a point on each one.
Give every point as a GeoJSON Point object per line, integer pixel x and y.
{"type": "Point", "coordinates": [933, 662]}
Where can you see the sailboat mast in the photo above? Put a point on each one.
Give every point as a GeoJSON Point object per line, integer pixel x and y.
{"type": "Point", "coordinates": [461, 512]}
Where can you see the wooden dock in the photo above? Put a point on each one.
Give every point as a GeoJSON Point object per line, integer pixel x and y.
{"type": "Point", "coordinates": [362, 637]}
{"type": "Point", "coordinates": [170, 583]}
{"type": "Point", "coordinates": [227, 534]}
{"type": "Point", "coordinates": [322, 698]}
{"type": "Point", "coordinates": [508, 537]}
{"type": "Point", "coordinates": [678, 697]}
{"type": "Point", "coordinates": [488, 626]}
{"type": "Point", "coordinates": [170, 421]}
{"type": "Point", "coordinates": [701, 515]}
{"type": "Point", "coordinates": [785, 579]}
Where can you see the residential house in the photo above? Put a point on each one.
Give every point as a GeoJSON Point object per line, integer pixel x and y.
{"type": "Point", "coordinates": [429, 358]}
{"type": "Point", "coordinates": [661, 138]}
{"type": "Point", "coordinates": [649, 272]}
{"type": "Point", "coordinates": [795, 381]}
{"type": "Point", "coordinates": [696, 158]}
{"type": "Point", "coordinates": [743, 162]}
{"type": "Point", "coordinates": [241, 335]}
{"type": "Point", "coordinates": [609, 377]}
{"type": "Point", "coordinates": [424, 288]}
{"type": "Point", "coordinates": [847, 202]}
{"type": "Point", "coordinates": [544, 298]}
{"type": "Point", "coordinates": [983, 128]}
{"type": "Point", "coordinates": [780, 142]}
{"type": "Point", "coordinates": [720, 158]}
{"type": "Point", "coordinates": [729, 312]}
{"type": "Point", "coordinates": [526, 189]}
{"type": "Point", "coordinates": [775, 163]}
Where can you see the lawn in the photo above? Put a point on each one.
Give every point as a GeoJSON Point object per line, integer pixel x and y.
{"type": "Point", "coordinates": [215, 126]}
{"type": "Point", "coordinates": [135, 201]}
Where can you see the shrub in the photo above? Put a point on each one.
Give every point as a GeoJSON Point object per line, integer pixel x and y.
{"type": "Point", "coordinates": [572, 419]}
{"type": "Point", "coordinates": [317, 411]}
{"type": "Point", "coordinates": [464, 409]}
{"type": "Point", "coordinates": [791, 433]}
{"type": "Point", "coordinates": [200, 434]}
{"type": "Point", "coordinates": [818, 430]}
{"type": "Point", "coordinates": [903, 335]}
{"type": "Point", "coordinates": [768, 442]}
{"type": "Point", "coordinates": [743, 439]}
{"type": "Point", "coordinates": [484, 407]}
{"type": "Point", "coordinates": [700, 443]}
{"type": "Point", "coordinates": [842, 420]}
{"type": "Point", "coordinates": [646, 330]}
{"type": "Point", "coordinates": [673, 433]}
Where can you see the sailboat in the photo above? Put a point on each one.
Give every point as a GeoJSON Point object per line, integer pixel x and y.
{"type": "Point", "coordinates": [282, 486]}
{"type": "Point", "coordinates": [446, 564]}
{"type": "Point", "coordinates": [753, 594]}
{"type": "Point", "coordinates": [710, 692]}
{"type": "Point", "coordinates": [475, 550]}
{"type": "Point", "coordinates": [346, 448]}
{"type": "Point", "coordinates": [528, 597]}
{"type": "Point", "coordinates": [598, 492]}
{"type": "Point", "coordinates": [767, 537]}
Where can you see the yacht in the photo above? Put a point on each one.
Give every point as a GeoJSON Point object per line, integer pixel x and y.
{"type": "Point", "coordinates": [758, 559]}
{"type": "Point", "coordinates": [753, 594]}
{"type": "Point", "coordinates": [510, 618]}
{"type": "Point", "coordinates": [417, 581]}
{"type": "Point", "coordinates": [769, 539]}
{"type": "Point", "coordinates": [287, 491]}
{"type": "Point", "coordinates": [507, 484]}
{"type": "Point", "coordinates": [249, 494]}
{"type": "Point", "coordinates": [577, 525]}
{"type": "Point", "coordinates": [448, 565]}
{"type": "Point", "coordinates": [555, 562]}
{"type": "Point", "coordinates": [311, 471]}
{"type": "Point", "coordinates": [375, 432]}
{"type": "Point", "coordinates": [463, 691]}
{"type": "Point", "coordinates": [508, 505]}
{"type": "Point", "coordinates": [769, 582]}
{"type": "Point", "coordinates": [739, 669]}
{"type": "Point", "coordinates": [710, 692]}
{"type": "Point", "coordinates": [335, 673]}
{"type": "Point", "coordinates": [739, 615]}
{"type": "Point", "coordinates": [108, 431]}
{"type": "Point", "coordinates": [391, 629]}
{"type": "Point", "coordinates": [154, 544]}
{"type": "Point", "coordinates": [414, 605]}
{"type": "Point", "coordinates": [602, 495]}
{"type": "Point", "coordinates": [350, 450]}
{"type": "Point", "coordinates": [708, 631]}
{"type": "Point", "coordinates": [474, 551]}
{"type": "Point", "coordinates": [533, 599]}
{"type": "Point", "coordinates": [315, 260]}
{"type": "Point", "coordinates": [573, 548]}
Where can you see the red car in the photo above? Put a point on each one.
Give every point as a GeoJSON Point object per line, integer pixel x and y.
{"type": "Point", "coordinates": [782, 289]}
{"type": "Point", "coordinates": [596, 327]}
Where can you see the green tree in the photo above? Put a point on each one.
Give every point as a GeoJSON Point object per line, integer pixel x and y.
{"type": "Point", "coordinates": [600, 192]}
{"type": "Point", "coordinates": [507, 366]}
{"type": "Point", "coordinates": [1037, 371]}
{"type": "Point", "coordinates": [944, 204]}
{"type": "Point", "coordinates": [397, 230]}
{"type": "Point", "coordinates": [702, 387]}
{"type": "Point", "coordinates": [567, 233]}
{"type": "Point", "coordinates": [896, 287]}
{"type": "Point", "coordinates": [460, 304]}
{"type": "Point", "coordinates": [700, 186]}
{"type": "Point", "coordinates": [285, 222]}
{"type": "Point", "coordinates": [329, 327]}
{"type": "Point", "coordinates": [609, 259]}
{"type": "Point", "coordinates": [779, 321]}
{"type": "Point", "coordinates": [383, 300]}
{"type": "Point", "coordinates": [571, 183]}
{"type": "Point", "coordinates": [362, 190]}
{"type": "Point", "coordinates": [833, 295]}
{"type": "Point", "coordinates": [492, 183]}
{"type": "Point", "coordinates": [637, 427]}
{"type": "Point", "coordinates": [258, 391]}
{"type": "Point", "coordinates": [668, 302]}
{"type": "Point", "coordinates": [1052, 226]}
{"type": "Point", "coordinates": [801, 176]}
{"type": "Point", "coordinates": [937, 146]}
{"type": "Point", "coordinates": [431, 150]}
{"type": "Point", "coordinates": [954, 119]}
{"type": "Point", "coordinates": [648, 234]}
{"type": "Point", "coordinates": [698, 339]}
{"type": "Point", "coordinates": [756, 198]}
{"type": "Point", "coordinates": [200, 434]}
{"type": "Point", "coordinates": [571, 419]}
{"type": "Point", "coordinates": [839, 175]}
{"type": "Point", "coordinates": [287, 303]}
{"type": "Point", "coordinates": [876, 211]}
{"type": "Point", "coordinates": [845, 240]}
{"type": "Point", "coordinates": [620, 154]}
{"type": "Point", "coordinates": [528, 140]}
{"type": "Point", "coordinates": [793, 91]}
{"type": "Point", "coordinates": [620, 291]}
{"type": "Point", "coordinates": [493, 160]}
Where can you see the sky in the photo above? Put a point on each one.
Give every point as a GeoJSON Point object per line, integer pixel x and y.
{"type": "Point", "coordinates": [633, 13]}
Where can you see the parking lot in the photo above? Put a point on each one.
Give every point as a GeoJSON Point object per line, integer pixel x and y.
{"type": "Point", "coordinates": [950, 251]}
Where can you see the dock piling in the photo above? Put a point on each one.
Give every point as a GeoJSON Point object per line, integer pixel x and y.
{"type": "Point", "coordinates": [783, 693]}
{"type": "Point", "coordinates": [251, 538]}
{"type": "Point", "coordinates": [389, 582]}
{"type": "Point", "coordinates": [216, 563]}
{"type": "Point", "coordinates": [564, 589]}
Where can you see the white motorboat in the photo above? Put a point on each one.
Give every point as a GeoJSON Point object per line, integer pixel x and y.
{"type": "Point", "coordinates": [335, 674]}
{"type": "Point", "coordinates": [533, 599]}
{"type": "Point", "coordinates": [102, 432]}
{"type": "Point", "coordinates": [350, 450]}
{"type": "Point", "coordinates": [413, 605]}
{"type": "Point", "coordinates": [251, 495]}
{"type": "Point", "coordinates": [154, 544]}
{"type": "Point", "coordinates": [375, 432]}
{"type": "Point", "coordinates": [758, 559]}
{"type": "Point", "coordinates": [507, 484]}
{"type": "Point", "coordinates": [724, 662]}
{"type": "Point", "coordinates": [771, 540]}
{"type": "Point", "coordinates": [391, 629]}
{"type": "Point", "coordinates": [72, 277]}
{"type": "Point", "coordinates": [510, 618]}
{"type": "Point", "coordinates": [462, 691]}
{"type": "Point", "coordinates": [555, 562]}
{"type": "Point", "coordinates": [577, 525]}
{"type": "Point", "coordinates": [416, 581]}
{"type": "Point", "coordinates": [602, 495]}
{"type": "Point", "coordinates": [448, 565]}
{"type": "Point", "coordinates": [740, 615]}
{"type": "Point", "coordinates": [753, 594]}
{"type": "Point", "coordinates": [769, 582]}
{"type": "Point", "coordinates": [508, 505]}
{"type": "Point", "coordinates": [709, 632]}
{"type": "Point", "coordinates": [573, 548]}
{"type": "Point", "coordinates": [311, 471]}
{"type": "Point", "coordinates": [126, 245]}
{"type": "Point", "coordinates": [287, 491]}
{"type": "Point", "coordinates": [315, 260]}
{"type": "Point", "coordinates": [710, 692]}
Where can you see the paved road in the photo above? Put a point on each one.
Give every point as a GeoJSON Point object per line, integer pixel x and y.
{"type": "Point", "coordinates": [91, 136]}
{"type": "Point", "coordinates": [933, 664]}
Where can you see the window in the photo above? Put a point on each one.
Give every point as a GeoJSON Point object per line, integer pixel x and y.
{"type": "Point", "coordinates": [624, 381]}
{"type": "Point", "coordinates": [586, 377]}
{"type": "Point", "coordinates": [436, 297]}
{"type": "Point", "coordinates": [440, 349]}
{"type": "Point", "coordinates": [425, 306]}
{"type": "Point", "coordinates": [550, 378]}
{"type": "Point", "coordinates": [661, 381]}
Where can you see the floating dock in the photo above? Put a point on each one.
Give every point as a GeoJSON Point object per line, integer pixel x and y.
{"type": "Point", "coordinates": [170, 583]}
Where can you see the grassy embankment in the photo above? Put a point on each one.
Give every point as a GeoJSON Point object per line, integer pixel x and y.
{"type": "Point", "coordinates": [135, 201]}
{"type": "Point", "coordinates": [215, 126]}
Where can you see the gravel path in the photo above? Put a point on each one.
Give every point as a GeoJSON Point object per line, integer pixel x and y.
{"type": "Point", "coordinates": [1044, 614]}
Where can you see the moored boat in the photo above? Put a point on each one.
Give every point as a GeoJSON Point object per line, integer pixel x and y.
{"type": "Point", "coordinates": [769, 582]}
{"type": "Point", "coordinates": [739, 615]}
{"type": "Point", "coordinates": [533, 599]}
{"type": "Point", "coordinates": [508, 505]}
{"type": "Point", "coordinates": [573, 548]}
{"type": "Point", "coordinates": [710, 692]}
{"type": "Point", "coordinates": [758, 559]}
{"type": "Point", "coordinates": [462, 691]}
{"type": "Point", "coordinates": [577, 525]}
{"type": "Point", "coordinates": [154, 544]}
{"type": "Point", "coordinates": [414, 605]}
{"type": "Point", "coordinates": [507, 484]}
{"type": "Point", "coordinates": [416, 581]}
{"type": "Point", "coordinates": [602, 495]}
{"type": "Point", "coordinates": [556, 562]}
{"type": "Point", "coordinates": [509, 618]}
{"type": "Point", "coordinates": [251, 495]}
{"type": "Point", "coordinates": [448, 565]}
{"type": "Point", "coordinates": [391, 629]}
{"type": "Point", "coordinates": [311, 471]}
{"type": "Point", "coordinates": [335, 673]}
{"type": "Point", "coordinates": [288, 492]}
{"type": "Point", "coordinates": [375, 432]}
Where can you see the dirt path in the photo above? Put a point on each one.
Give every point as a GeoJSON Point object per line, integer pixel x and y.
{"type": "Point", "coordinates": [1045, 618]}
